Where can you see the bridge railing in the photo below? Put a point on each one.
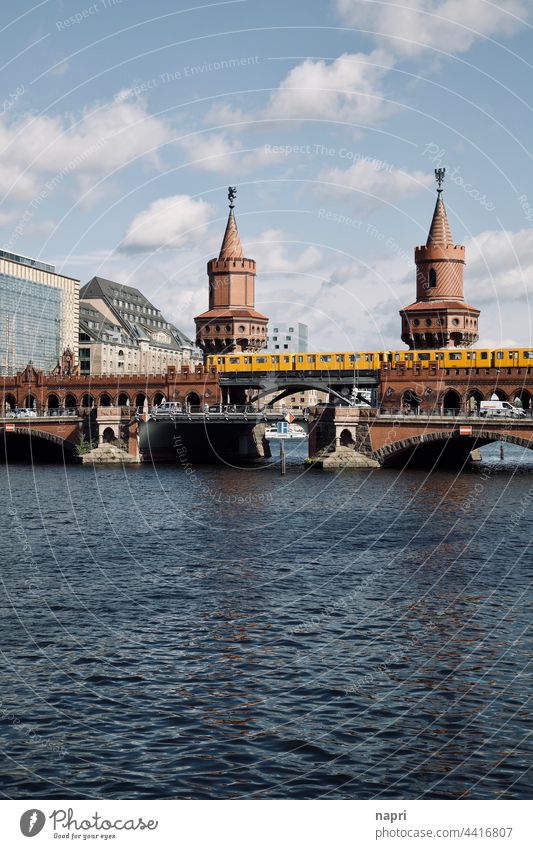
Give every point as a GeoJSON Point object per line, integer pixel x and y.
{"type": "Point", "coordinates": [455, 413]}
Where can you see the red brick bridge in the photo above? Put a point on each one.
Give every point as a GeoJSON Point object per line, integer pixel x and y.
{"type": "Point", "coordinates": [392, 439]}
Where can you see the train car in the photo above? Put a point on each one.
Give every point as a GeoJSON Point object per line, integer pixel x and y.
{"type": "Point", "coordinates": [525, 357]}
{"type": "Point", "coordinates": [448, 358]}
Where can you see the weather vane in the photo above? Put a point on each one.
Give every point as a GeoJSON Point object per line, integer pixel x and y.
{"type": "Point", "coordinates": [439, 176]}
{"type": "Point", "coordinates": [232, 194]}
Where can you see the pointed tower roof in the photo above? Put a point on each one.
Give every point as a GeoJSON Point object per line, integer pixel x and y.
{"type": "Point", "coordinates": [231, 243]}
{"type": "Point", "coordinates": [439, 233]}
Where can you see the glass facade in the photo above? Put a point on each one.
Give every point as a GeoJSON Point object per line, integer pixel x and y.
{"type": "Point", "coordinates": [30, 324]}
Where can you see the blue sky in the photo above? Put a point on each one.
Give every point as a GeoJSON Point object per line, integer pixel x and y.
{"type": "Point", "coordinates": [124, 122]}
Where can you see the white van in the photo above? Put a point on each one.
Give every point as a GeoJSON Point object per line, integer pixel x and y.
{"type": "Point", "coordinates": [500, 408]}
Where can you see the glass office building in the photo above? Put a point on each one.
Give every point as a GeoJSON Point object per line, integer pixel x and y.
{"type": "Point", "coordinates": [39, 314]}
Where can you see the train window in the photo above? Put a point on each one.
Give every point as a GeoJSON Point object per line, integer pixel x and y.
{"type": "Point", "coordinates": [220, 360]}
{"type": "Point", "coordinates": [499, 355]}
{"type": "Point", "coordinates": [514, 354]}
{"type": "Point", "coordinates": [234, 359]}
{"type": "Point", "coordinates": [470, 355]}
{"type": "Point", "coordinates": [260, 359]}
{"type": "Point", "coordinates": [248, 360]}
{"type": "Point", "coordinates": [409, 356]}
{"type": "Point", "coordinates": [325, 358]}
{"type": "Point", "coordinates": [484, 355]}
{"type": "Point", "coordinates": [455, 356]}
{"type": "Point", "coordinates": [423, 356]}
{"type": "Point", "coordinates": [340, 358]}
{"type": "Point", "coordinates": [275, 359]}
{"type": "Point", "coordinates": [300, 359]}
{"type": "Point", "coordinates": [439, 355]}
{"type": "Point", "coordinates": [396, 358]}
{"type": "Point", "coordinates": [528, 355]}
{"type": "Point", "coordinates": [286, 359]}
{"type": "Point", "coordinates": [311, 358]}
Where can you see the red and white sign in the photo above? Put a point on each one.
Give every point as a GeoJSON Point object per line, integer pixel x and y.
{"type": "Point", "coordinates": [465, 430]}
{"type": "Point", "coordinates": [289, 418]}
{"type": "Point", "coordinates": [10, 427]}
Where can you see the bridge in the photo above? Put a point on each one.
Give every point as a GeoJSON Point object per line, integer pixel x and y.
{"type": "Point", "coordinates": [338, 383]}
{"type": "Point", "coordinates": [343, 436]}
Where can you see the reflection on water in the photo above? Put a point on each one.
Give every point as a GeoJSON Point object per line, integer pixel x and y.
{"type": "Point", "coordinates": [353, 635]}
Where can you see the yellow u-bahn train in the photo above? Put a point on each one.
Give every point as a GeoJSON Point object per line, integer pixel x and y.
{"type": "Point", "coordinates": [371, 360]}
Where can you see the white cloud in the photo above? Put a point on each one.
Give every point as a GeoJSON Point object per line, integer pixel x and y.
{"type": "Point", "coordinates": [172, 222]}
{"type": "Point", "coordinates": [412, 26]}
{"type": "Point", "coordinates": [372, 177]}
{"type": "Point", "coordinates": [95, 142]}
{"type": "Point", "coordinates": [347, 89]}
{"type": "Point", "coordinates": [218, 153]}
{"type": "Point", "coordinates": [499, 266]}
{"type": "Point", "coordinates": [272, 252]}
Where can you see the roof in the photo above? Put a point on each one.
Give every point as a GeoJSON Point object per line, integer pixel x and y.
{"type": "Point", "coordinates": [439, 231]}
{"type": "Point", "coordinates": [232, 313]}
{"type": "Point", "coordinates": [231, 243]}
{"type": "Point", "coordinates": [109, 290]}
{"type": "Point", "coordinates": [424, 306]}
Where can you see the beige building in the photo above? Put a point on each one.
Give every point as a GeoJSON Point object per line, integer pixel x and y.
{"type": "Point", "coordinates": [299, 401]}
{"type": "Point", "coordinates": [122, 332]}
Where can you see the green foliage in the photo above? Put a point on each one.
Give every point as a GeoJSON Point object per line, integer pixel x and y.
{"type": "Point", "coordinates": [84, 445]}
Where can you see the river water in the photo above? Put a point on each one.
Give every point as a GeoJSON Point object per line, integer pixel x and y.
{"type": "Point", "coordinates": [237, 634]}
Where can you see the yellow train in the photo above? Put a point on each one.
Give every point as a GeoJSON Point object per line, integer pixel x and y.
{"type": "Point", "coordinates": [371, 360]}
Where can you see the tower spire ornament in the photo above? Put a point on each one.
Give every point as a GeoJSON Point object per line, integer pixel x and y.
{"type": "Point", "coordinates": [439, 176]}
{"type": "Point", "coordinates": [232, 194]}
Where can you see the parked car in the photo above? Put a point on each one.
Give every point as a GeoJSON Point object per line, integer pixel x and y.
{"type": "Point", "coordinates": [500, 408]}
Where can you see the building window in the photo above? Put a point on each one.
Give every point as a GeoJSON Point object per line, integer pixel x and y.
{"type": "Point", "coordinates": [432, 278]}
{"type": "Point", "coordinates": [291, 329]}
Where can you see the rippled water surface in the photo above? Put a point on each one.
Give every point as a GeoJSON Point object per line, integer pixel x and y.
{"type": "Point", "coordinates": [240, 634]}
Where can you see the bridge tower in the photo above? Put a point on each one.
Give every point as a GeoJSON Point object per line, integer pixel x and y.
{"type": "Point", "coordinates": [231, 323]}
{"type": "Point", "coordinates": [440, 316]}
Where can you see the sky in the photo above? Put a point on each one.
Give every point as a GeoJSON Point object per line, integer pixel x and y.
{"type": "Point", "coordinates": [124, 122]}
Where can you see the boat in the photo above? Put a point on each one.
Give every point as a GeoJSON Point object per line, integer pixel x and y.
{"type": "Point", "coordinates": [284, 430]}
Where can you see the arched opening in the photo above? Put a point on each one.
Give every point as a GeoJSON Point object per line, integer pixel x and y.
{"type": "Point", "coordinates": [193, 399]}
{"type": "Point", "coordinates": [500, 395]}
{"type": "Point", "coordinates": [432, 278]}
{"type": "Point", "coordinates": [25, 446]}
{"type": "Point", "coordinates": [30, 402]}
{"type": "Point", "coordinates": [87, 400]}
{"type": "Point", "coordinates": [474, 399]}
{"type": "Point", "coordinates": [52, 402]}
{"type": "Point", "coordinates": [70, 401]}
{"type": "Point", "coordinates": [158, 398]}
{"type": "Point", "coordinates": [522, 398]}
{"type": "Point", "coordinates": [123, 400]}
{"type": "Point", "coordinates": [451, 403]}
{"type": "Point", "coordinates": [410, 401]}
{"type": "Point", "coordinates": [346, 438]}
{"type": "Point", "coordinates": [105, 400]}
{"type": "Point", "coordinates": [140, 400]}
{"type": "Point", "coordinates": [109, 435]}
{"type": "Point", "coordinates": [10, 402]}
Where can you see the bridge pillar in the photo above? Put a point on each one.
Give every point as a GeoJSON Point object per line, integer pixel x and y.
{"type": "Point", "coordinates": [340, 437]}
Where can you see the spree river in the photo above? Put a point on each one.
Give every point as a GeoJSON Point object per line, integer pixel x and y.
{"type": "Point", "coordinates": [238, 634]}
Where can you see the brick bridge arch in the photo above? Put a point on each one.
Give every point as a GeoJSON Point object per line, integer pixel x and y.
{"type": "Point", "coordinates": [67, 445]}
{"type": "Point", "coordinates": [464, 445]}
